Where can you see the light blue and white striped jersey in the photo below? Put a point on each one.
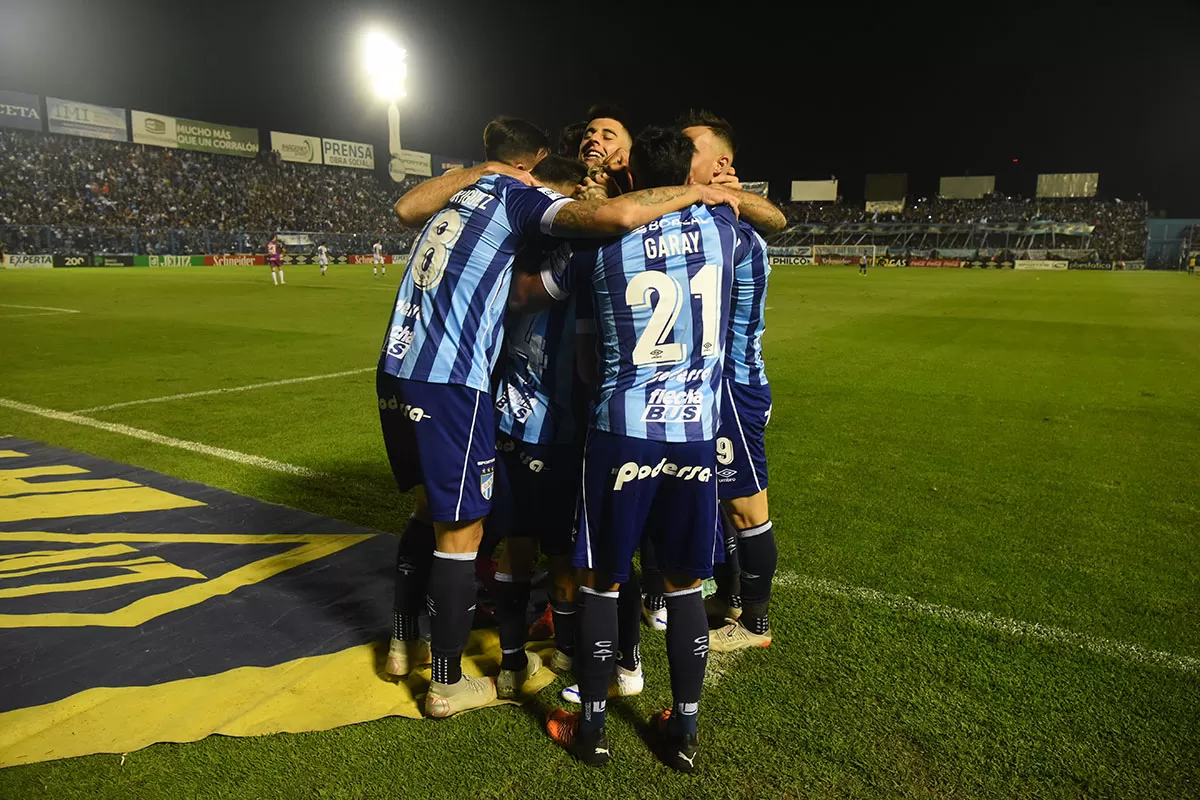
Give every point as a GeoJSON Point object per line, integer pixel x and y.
{"type": "Point", "coordinates": [536, 398]}
{"type": "Point", "coordinates": [661, 298]}
{"type": "Point", "coordinates": [449, 311]}
{"type": "Point", "coordinates": [743, 350]}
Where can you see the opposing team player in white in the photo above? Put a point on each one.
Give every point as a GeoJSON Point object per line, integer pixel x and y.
{"type": "Point", "coordinates": [323, 257]}
{"type": "Point", "coordinates": [377, 249]}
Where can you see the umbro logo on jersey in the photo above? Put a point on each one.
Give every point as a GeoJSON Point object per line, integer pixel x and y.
{"type": "Point", "coordinates": [727, 473]}
{"type": "Point", "coordinates": [632, 471]}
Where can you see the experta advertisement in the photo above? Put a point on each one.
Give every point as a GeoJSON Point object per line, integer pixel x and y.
{"type": "Point", "coordinates": [85, 119]}
{"type": "Point", "coordinates": [155, 129]}
{"type": "Point", "coordinates": [23, 261]}
{"type": "Point", "coordinates": [338, 153]}
{"type": "Point", "coordinates": [20, 110]}
{"type": "Point", "coordinates": [293, 147]}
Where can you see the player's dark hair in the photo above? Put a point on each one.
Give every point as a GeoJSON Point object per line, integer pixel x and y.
{"type": "Point", "coordinates": [556, 169]}
{"type": "Point", "coordinates": [507, 139]}
{"type": "Point", "coordinates": [571, 137]}
{"type": "Point", "coordinates": [702, 118]}
{"type": "Point", "coordinates": [660, 157]}
{"type": "Point", "coordinates": [609, 111]}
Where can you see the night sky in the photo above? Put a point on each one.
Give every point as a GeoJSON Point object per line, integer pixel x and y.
{"type": "Point", "coordinates": [840, 89]}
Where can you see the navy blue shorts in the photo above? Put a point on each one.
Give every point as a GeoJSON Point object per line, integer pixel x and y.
{"type": "Point", "coordinates": [633, 486]}
{"type": "Point", "coordinates": [541, 492]}
{"type": "Point", "coordinates": [442, 437]}
{"type": "Point", "coordinates": [741, 440]}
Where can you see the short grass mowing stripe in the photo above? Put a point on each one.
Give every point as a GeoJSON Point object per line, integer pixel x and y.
{"type": "Point", "coordinates": [156, 438]}
{"type": "Point", "coordinates": [230, 389]}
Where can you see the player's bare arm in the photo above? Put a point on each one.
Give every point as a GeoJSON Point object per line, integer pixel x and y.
{"type": "Point", "coordinates": [601, 218]}
{"type": "Point", "coordinates": [420, 203]}
{"type": "Point", "coordinates": [763, 215]}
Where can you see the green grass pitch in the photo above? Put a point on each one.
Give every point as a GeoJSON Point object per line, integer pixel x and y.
{"type": "Point", "coordinates": [1002, 447]}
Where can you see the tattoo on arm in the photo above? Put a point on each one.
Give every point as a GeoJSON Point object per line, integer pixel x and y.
{"type": "Point", "coordinates": [762, 214]}
{"type": "Point", "coordinates": [575, 218]}
{"type": "Point", "coordinates": [651, 197]}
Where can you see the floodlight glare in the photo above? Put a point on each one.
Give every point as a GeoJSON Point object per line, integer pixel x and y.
{"type": "Point", "coordinates": [384, 63]}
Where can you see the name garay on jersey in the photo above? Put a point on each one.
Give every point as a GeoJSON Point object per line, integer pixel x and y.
{"type": "Point", "coordinates": [672, 244]}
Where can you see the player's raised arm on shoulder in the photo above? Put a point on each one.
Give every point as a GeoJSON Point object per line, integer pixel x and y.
{"type": "Point", "coordinates": [421, 202]}
{"type": "Point", "coordinates": [600, 218]}
{"type": "Point", "coordinates": [763, 215]}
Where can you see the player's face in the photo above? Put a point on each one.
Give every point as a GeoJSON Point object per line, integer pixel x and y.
{"type": "Point", "coordinates": [602, 138]}
{"type": "Point", "coordinates": [710, 158]}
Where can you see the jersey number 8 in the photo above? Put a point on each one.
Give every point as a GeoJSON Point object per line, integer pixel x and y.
{"type": "Point", "coordinates": [432, 252]}
{"type": "Point", "coordinates": [651, 347]}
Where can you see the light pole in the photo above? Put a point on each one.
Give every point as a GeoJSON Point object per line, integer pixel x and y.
{"type": "Point", "coordinates": [384, 61]}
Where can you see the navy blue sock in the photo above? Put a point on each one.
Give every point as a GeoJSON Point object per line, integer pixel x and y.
{"type": "Point", "coordinates": [759, 557]}
{"type": "Point", "coordinates": [687, 655]}
{"type": "Point", "coordinates": [594, 654]}
{"type": "Point", "coordinates": [629, 627]}
{"type": "Point", "coordinates": [512, 597]}
{"type": "Point", "coordinates": [413, 556]}
{"type": "Point", "coordinates": [451, 602]}
{"type": "Point", "coordinates": [727, 575]}
{"type": "Point", "coordinates": [565, 619]}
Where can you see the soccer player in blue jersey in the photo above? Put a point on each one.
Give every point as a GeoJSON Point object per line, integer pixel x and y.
{"type": "Point", "coordinates": [744, 581]}
{"type": "Point", "coordinates": [712, 163]}
{"type": "Point", "coordinates": [433, 391]}
{"type": "Point", "coordinates": [660, 298]}
{"type": "Point", "coordinates": [538, 443]}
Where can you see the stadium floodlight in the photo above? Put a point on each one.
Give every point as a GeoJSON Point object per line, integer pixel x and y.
{"type": "Point", "coordinates": [385, 64]}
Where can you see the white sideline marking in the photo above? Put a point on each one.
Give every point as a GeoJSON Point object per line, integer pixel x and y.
{"type": "Point", "coordinates": [720, 665]}
{"type": "Point", "coordinates": [981, 619]}
{"type": "Point", "coordinates": [45, 311]}
{"type": "Point", "coordinates": [208, 392]}
{"type": "Point", "coordinates": [149, 436]}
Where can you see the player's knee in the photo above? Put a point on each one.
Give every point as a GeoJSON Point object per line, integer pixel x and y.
{"type": "Point", "coordinates": [678, 581]}
{"type": "Point", "coordinates": [518, 556]}
{"type": "Point", "coordinates": [748, 512]}
{"type": "Point", "coordinates": [598, 581]}
{"type": "Point", "coordinates": [459, 537]}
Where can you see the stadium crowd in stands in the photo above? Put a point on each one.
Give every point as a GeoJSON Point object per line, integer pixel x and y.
{"type": "Point", "coordinates": [94, 192]}
{"type": "Point", "coordinates": [88, 183]}
{"type": "Point", "coordinates": [1120, 227]}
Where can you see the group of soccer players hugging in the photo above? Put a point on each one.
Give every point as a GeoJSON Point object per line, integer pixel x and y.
{"type": "Point", "coordinates": [574, 364]}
